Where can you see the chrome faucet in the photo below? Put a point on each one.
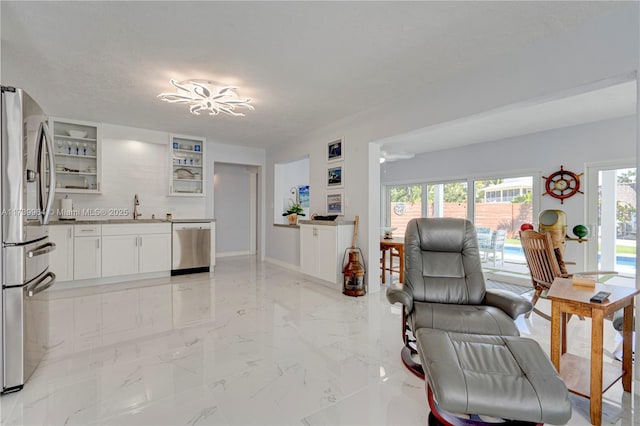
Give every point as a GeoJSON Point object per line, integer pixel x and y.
{"type": "Point", "coordinates": [136, 203]}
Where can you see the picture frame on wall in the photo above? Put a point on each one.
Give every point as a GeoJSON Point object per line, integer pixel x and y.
{"type": "Point", "coordinates": [335, 150]}
{"type": "Point", "coordinates": [335, 202]}
{"type": "Point", "coordinates": [335, 176]}
{"type": "Point", "coordinates": [303, 195]}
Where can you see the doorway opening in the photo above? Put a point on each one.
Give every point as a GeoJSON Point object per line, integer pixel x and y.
{"type": "Point", "coordinates": [235, 189]}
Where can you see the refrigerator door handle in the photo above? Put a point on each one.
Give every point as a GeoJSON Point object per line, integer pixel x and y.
{"type": "Point", "coordinates": [45, 144]}
{"type": "Point", "coordinates": [36, 288]}
{"type": "Point", "coordinates": [31, 176]}
{"type": "Point", "coordinates": [43, 249]}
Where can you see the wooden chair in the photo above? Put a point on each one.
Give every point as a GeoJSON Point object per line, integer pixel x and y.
{"type": "Point", "coordinates": [393, 253]}
{"type": "Point", "coordinates": [545, 264]}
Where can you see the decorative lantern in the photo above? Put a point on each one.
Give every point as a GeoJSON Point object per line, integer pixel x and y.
{"type": "Point", "coordinates": [354, 272]}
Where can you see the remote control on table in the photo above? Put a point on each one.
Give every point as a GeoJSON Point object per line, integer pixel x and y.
{"type": "Point", "coordinates": [600, 296]}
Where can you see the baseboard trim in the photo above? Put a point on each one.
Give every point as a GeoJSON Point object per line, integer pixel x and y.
{"type": "Point", "coordinates": [234, 253]}
{"type": "Point", "coordinates": [65, 285]}
{"type": "Point", "coordinates": [282, 264]}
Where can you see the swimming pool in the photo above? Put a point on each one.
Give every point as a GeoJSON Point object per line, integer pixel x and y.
{"type": "Point", "coordinates": [624, 260]}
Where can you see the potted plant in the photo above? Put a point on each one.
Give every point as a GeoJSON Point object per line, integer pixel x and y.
{"type": "Point", "coordinates": [293, 211]}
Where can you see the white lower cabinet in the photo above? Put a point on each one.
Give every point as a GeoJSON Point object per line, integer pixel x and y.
{"type": "Point", "coordinates": [93, 251]}
{"type": "Point", "coordinates": [119, 255]}
{"type": "Point", "coordinates": [87, 259]}
{"type": "Point", "coordinates": [322, 248]}
{"type": "Point", "coordinates": [132, 249]}
{"type": "Point", "coordinates": [154, 252]}
{"type": "Point", "coordinates": [61, 259]}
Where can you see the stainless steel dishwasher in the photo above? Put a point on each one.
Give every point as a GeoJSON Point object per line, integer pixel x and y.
{"type": "Point", "coordinates": [191, 247]}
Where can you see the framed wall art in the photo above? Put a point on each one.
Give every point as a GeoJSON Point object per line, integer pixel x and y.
{"type": "Point", "coordinates": [335, 176]}
{"type": "Point", "coordinates": [335, 202]}
{"type": "Point", "coordinates": [335, 150]}
{"type": "Point", "coordinates": [303, 195]}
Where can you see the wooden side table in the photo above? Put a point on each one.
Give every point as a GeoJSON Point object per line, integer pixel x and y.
{"type": "Point", "coordinates": [569, 299]}
{"type": "Point", "coordinates": [396, 244]}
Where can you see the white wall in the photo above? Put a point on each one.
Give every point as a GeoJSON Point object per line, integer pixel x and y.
{"type": "Point", "coordinates": [134, 161]}
{"type": "Point", "coordinates": [544, 152]}
{"type": "Point", "coordinates": [599, 49]}
{"type": "Point", "coordinates": [232, 208]}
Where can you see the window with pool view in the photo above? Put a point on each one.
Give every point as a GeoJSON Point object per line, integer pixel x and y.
{"type": "Point", "coordinates": [501, 206]}
{"type": "Point", "coordinates": [425, 200]}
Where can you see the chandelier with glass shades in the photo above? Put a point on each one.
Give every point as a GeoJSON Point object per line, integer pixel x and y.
{"type": "Point", "coordinates": [203, 95]}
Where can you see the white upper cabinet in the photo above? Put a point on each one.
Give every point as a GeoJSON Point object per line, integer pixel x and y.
{"type": "Point", "coordinates": [187, 166]}
{"type": "Point", "coordinates": [77, 147]}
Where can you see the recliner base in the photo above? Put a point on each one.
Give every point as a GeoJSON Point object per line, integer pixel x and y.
{"type": "Point", "coordinates": [407, 359]}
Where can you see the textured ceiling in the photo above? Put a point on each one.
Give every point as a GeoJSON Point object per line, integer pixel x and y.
{"type": "Point", "coordinates": [305, 64]}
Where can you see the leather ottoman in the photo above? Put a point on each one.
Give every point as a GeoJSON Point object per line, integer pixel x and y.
{"type": "Point", "coordinates": [508, 377]}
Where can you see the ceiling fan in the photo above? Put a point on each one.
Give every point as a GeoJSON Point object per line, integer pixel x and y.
{"type": "Point", "coordinates": [390, 156]}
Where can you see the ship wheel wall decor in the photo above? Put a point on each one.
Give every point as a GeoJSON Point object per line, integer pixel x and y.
{"type": "Point", "coordinates": [562, 184]}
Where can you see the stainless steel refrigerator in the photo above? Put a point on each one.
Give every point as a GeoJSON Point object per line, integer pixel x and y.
{"type": "Point", "coordinates": [27, 188]}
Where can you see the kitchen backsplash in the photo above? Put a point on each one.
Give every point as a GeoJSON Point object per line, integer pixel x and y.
{"type": "Point", "coordinates": [132, 167]}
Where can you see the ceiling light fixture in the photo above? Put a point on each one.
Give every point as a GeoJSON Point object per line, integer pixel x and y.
{"type": "Point", "coordinates": [204, 95]}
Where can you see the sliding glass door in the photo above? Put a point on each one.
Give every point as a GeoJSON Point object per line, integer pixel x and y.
{"type": "Point", "coordinates": [501, 206]}
{"type": "Point", "coordinates": [503, 203]}
{"type": "Point", "coordinates": [405, 203]}
{"type": "Point", "coordinates": [447, 200]}
{"type": "Point", "coordinates": [612, 218]}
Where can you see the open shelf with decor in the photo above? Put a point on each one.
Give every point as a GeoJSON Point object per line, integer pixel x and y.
{"type": "Point", "coordinates": [187, 166]}
{"type": "Point", "coordinates": [76, 146]}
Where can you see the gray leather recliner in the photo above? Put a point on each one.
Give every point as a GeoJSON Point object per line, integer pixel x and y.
{"type": "Point", "coordinates": [444, 286]}
{"type": "Point", "coordinates": [474, 359]}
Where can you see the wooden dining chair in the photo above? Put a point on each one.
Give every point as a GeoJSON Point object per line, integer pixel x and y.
{"type": "Point", "coordinates": [392, 267]}
{"type": "Point", "coordinates": [545, 264]}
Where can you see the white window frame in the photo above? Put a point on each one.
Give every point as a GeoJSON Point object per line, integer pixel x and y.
{"type": "Point", "coordinates": [536, 188]}
{"type": "Point", "coordinates": [590, 182]}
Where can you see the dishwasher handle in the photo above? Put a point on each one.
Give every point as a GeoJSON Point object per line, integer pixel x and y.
{"type": "Point", "coordinates": [184, 226]}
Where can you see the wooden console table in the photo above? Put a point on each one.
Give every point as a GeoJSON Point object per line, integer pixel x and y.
{"type": "Point", "coordinates": [569, 299]}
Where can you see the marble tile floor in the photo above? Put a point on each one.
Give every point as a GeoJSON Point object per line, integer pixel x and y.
{"type": "Point", "coordinates": [251, 344]}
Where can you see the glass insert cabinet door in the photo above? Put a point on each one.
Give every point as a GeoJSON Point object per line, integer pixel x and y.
{"type": "Point", "coordinates": [187, 166]}
{"type": "Point", "coordinates": [77, 154]}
